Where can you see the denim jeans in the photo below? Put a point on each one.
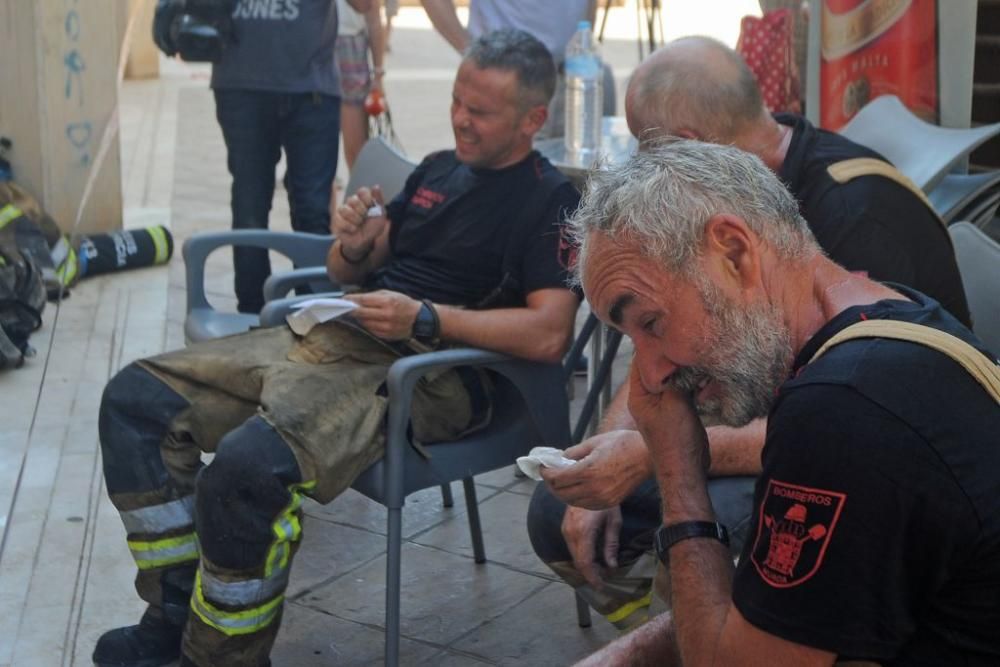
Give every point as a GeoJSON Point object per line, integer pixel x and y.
{"type": "Point", "coordinates": [256, 125]}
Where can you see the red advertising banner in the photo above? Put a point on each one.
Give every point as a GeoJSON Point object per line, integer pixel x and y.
{"type": "Point", "coordinates": [877, 47]}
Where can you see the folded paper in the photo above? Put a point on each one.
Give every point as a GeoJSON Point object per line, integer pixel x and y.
{"type": "Point", "coordinates": [311, 312]}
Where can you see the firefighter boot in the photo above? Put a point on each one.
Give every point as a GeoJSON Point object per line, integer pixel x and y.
{"type": "Point", "coordinates": [188, 662]}
{"type": "Point", "coordinates": [154, 642]}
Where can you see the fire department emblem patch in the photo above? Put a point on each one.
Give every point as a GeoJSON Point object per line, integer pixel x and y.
{"type": "Point", "coordinates": [793, 531]}
{"type": "Point", "coordinates": [567, 251]}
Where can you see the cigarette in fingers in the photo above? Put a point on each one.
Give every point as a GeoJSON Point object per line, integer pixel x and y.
{"type": "Point", "coordinates": [374, 211]}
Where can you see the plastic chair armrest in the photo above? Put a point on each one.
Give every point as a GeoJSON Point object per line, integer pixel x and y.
{"type": "Point", "coordinates": [306, 249]}
{"type": "Point", "coordinates": [278, 285]}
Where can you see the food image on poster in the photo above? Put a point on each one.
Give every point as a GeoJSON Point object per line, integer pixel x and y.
{"type": "Point", "coordinates": [871, 48]}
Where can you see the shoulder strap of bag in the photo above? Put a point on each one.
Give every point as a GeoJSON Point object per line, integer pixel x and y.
{"type": "Point", "coordinates": [984, 370]}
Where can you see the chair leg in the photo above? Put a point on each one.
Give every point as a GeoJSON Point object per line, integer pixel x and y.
{"type": "Point", "coordinates": [392, 583]}
{"type": "Point", "coordinates": [447, 500]}
{"type": "Point", "coordinates": [582, 612]}
{"type": "Point", "coordinates": [475, 528]}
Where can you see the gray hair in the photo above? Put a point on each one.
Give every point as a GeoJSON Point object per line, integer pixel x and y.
{"type": "Point", "coordinates": [517, 51]}
{"type": "Point", "coordinates": [713, 93]}
{"type": "Point", "coordinates": [661, 199]}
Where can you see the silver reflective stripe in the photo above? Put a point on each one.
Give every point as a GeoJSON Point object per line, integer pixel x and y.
{"type": "Point", "coordinates": [159, 519]}
{"type": "Point", "coordinates": [233, 624]}
{"type": "Point", "coordinates": [60, 251]}
{"type": "Point", "coordinates": [248, 593]}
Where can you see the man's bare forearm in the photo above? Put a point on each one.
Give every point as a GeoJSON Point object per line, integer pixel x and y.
{"type": "Point", "coordinates": [540, 332]}
{"type": "Point", "coordinates": [650, 645]}
{"type": "Point", "coordinates": [616, 415]}
{"type": "Point", "coordinates": [700, 568]}
{"type": "Point", "coordinates": [445, 20]}
{"type": "Point", "coordinates": [343, 272]}
{"type": "Point", "coordinates": [736, 451]}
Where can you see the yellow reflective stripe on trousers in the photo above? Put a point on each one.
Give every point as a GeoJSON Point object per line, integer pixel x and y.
{"type": "Point", "coordinates": [208, 589]}
{"type": "Point", "coordinates": [286, 529]}
{"type": "Point", "coordinates": [8, 213]}
{"type": "Point", "coordinates": [233, 623]}
{"type": "Point", "coordinates": [630, 608]}
{"type": "Point", "coordinates": [168, 551]}
{"type": "Point", "coordinates": [159, 243]}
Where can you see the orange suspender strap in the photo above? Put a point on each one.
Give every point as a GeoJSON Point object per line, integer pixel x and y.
{"type": "Point", "coordinates": [983, 369]}
{"type": "Point", "coordinates": [847, 170]}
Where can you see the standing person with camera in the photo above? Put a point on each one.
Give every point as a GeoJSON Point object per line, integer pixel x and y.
{"type": "Point", "coordinates": [276, 88]}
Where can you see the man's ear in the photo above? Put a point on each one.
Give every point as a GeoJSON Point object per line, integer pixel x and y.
{"type": "Point", "coordinates": [534, 118]}
{"type": "Point", "coordinates": [733, 250]}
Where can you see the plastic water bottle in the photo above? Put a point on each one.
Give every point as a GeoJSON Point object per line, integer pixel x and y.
{"type": "Point", "coordinates": [584, 97]}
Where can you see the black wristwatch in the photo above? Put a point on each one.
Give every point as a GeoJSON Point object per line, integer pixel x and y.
{"type": "Point", "coordinates": [427, 326]}
{"type": "Point", "coordinates": [668, 536]}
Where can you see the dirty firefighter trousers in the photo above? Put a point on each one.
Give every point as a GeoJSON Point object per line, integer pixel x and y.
{"type": "Point", "coordinates": [631, 592]}
{"type": "Point", "coordinates": [239, 502]}
{"type": "Point", "coordinates": [214, 543]}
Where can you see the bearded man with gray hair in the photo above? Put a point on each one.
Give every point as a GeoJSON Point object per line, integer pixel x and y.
{"type": "Point", "coordinates": [593, 522]}
{"type": "Point", "coordinates": [876, 531]}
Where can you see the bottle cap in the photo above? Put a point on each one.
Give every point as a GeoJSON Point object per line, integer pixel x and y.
{"type": "Point", "coordinates": [583, 25]}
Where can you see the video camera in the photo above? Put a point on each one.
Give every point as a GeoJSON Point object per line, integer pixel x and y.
{"type": "Point", "coordinates": [197, 30]}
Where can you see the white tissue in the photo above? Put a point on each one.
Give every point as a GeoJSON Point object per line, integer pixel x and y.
{"type": "Point", "coordinates": [550, 457]}
{"type": "Point", "coordinates": [311, 312]}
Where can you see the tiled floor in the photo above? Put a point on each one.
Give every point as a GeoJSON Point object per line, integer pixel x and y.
{"type": "Point", "coordinates": [65, 574]}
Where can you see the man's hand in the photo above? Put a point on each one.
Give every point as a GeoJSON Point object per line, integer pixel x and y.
{"type": "Point", "coordinates": [389, 315]}
{"type": "Point", "coordinates": [581, 529]}
{"type": "Point", "coordinates": [609, 467]}
{"type": "Point", "coordinates": [352, 225]}
{"type": "Point", "coordinates": [670, 426]}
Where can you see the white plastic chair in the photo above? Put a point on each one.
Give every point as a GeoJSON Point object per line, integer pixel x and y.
{"type": "Point", "coordinates": [923, 151]}
{"type": "Point", "coordinates": [957, 194]}
{"type": "Point", "coordinates": [979, 263]}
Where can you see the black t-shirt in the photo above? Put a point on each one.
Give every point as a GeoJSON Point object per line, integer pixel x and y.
{"type": "Point", "coordinates": [877, 526]}
{"type": "Point", "coordinates": [870, 223]}
{"type": "Point", "coordinates": [452, 224]}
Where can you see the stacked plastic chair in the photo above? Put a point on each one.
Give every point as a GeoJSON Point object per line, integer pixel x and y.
{"type": "Point", "coordinates": [934, 158]}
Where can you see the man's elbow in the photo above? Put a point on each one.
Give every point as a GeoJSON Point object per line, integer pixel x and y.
{"type": "Point", "coordinates": [552, 347]}
{"type": "Point", "coordinates": [360, 6]}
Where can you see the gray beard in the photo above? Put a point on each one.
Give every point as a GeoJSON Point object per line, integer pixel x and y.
{"type": "Point", "coordinates": [750, 356]}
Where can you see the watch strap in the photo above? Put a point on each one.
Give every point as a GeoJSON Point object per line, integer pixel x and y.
{"type": "Point", "coordinates": [427, 326]}
{"type": "Point", "coordinates": [667, 536]}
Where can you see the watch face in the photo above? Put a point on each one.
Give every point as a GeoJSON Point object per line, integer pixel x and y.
{"type": "Point", "coordinates": [423, 326]}
{"type": "Point", "coordinates": [423, 329]}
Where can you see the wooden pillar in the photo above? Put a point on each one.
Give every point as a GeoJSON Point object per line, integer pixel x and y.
{"type": "Point", "coordinates": [143, 61]}
{"type": "Point", "coordinates": [58, 89]}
